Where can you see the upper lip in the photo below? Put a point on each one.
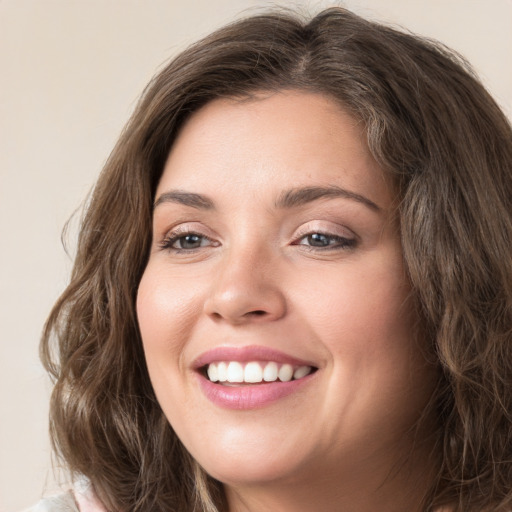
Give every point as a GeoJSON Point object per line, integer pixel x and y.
{"type": "Point", "coordinates": [246, 354]}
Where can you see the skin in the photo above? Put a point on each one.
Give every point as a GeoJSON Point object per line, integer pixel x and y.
{"type": "Point", "coordinates": [344, 440]}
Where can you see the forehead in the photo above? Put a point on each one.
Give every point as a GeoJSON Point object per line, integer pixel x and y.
{"type": "Point", "coordinates": [286, 138]}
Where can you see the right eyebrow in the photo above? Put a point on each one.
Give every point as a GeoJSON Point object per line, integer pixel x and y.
{"type": "Point", "coordinates": [303, 195]}
{"type": "Point", "coordinates": [186, 198]}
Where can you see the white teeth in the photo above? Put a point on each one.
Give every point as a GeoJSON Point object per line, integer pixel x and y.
{"type": "Point", "coordinates": [222, 372]}
{"type": "Point", "coordinates": [213, 372]}
{"type": "Point", "coordinates": [235, 372]}
{"type": "Point", "coordinates": [286, 373]}
{"type": "Point", "coordinates": [270, 372]}
{"type": "Point", "coordinates": [301, 371]}
{"type": "Point", "coordinates": [255, 372]}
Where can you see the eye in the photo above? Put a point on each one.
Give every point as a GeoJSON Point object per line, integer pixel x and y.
{"type": "Point", "coordinates": [318, 240]}
{"type": "Point", "coordinates": [190, 241]}
{"type": "Point", "coordinates": [181, 242]}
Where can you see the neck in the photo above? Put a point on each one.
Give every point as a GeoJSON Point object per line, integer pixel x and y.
{"type": "Point", "coordinates": [384, 483]}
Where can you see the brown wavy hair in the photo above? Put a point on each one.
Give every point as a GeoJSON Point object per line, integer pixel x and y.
{"type": "Point", "coordinates": [431, 124]}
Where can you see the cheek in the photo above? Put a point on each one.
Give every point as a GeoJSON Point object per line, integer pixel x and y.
{"type": "Point", "coordinates": [364, 311]}
{"type": "Point", "coordinates": [366, 322]}
{"type": "Point", "coordinates": [166, 309]}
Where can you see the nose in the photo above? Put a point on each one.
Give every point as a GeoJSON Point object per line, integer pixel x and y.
{"type": "Point", "coordinates": [246, 289]}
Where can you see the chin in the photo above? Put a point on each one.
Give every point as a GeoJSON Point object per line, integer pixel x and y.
{"type": "Point", "coordinates": [253, 471]}
{"type": "Point", "coordinates": [252, 459]}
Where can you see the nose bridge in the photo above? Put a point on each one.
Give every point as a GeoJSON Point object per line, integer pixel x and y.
{"type": "Point", "coordinates": [246, 287]}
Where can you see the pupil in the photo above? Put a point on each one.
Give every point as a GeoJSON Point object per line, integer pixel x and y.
{"type": "Point", "coordinates": [318, 240]}
{"type": "Point", "coordinates": [191, 241]}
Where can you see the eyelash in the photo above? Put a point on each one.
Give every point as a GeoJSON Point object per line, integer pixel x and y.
{"type": "Point", "coordinates": [173, 237]}
{"type": "Point", "coordinates": [340, 242]}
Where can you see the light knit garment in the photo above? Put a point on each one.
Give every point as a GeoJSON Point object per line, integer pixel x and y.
{"type": "Point", "coordinates": [80, 499]}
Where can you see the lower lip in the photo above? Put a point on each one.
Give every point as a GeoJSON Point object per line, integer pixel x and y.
{"type": "Point", "coordinates": [250, 396]}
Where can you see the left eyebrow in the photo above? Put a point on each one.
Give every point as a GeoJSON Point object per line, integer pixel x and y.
{"type": "Point", "coordinates": [299, 196]}
{"type": "Point", "coordinates": [186, 198]}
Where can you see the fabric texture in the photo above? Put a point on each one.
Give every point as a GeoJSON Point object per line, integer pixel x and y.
{"type": "Point", "coordinates": [80, 499]}
{"type": "Point", "coordinates": [61, 503]}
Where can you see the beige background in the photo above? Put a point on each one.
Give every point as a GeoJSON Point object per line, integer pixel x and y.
{"type": "Point", "coordinates": [70, 72]}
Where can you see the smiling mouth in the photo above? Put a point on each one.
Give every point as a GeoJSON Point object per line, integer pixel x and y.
{"type": "Point", "coordinates": [232, 373]}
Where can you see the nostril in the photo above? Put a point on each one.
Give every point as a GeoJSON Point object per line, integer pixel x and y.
{"type": "Point", "coordinates": [258, 312]}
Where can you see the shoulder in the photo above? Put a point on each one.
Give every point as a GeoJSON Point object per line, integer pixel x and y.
{"type": "Point", "coordinates": [80, 499]}
{"type": "Point", "coordinates": [61, 503]}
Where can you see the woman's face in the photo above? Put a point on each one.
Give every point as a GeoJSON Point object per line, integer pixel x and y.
{"type": "Point", "coordinates": [276, 256]}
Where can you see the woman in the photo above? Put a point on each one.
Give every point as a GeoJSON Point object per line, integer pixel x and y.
{"type": "Point", "coordinates": [293, 286]}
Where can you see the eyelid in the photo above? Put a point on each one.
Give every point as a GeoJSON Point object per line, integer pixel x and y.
{"type": "Point", "coordinates": [172, 234]}
{"type": "Point", "coordinates": [340, 237]}
{"type": "Point", "coordinates": [329, 230]}
{"type": "Point", "coordinates": [192, 227]}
